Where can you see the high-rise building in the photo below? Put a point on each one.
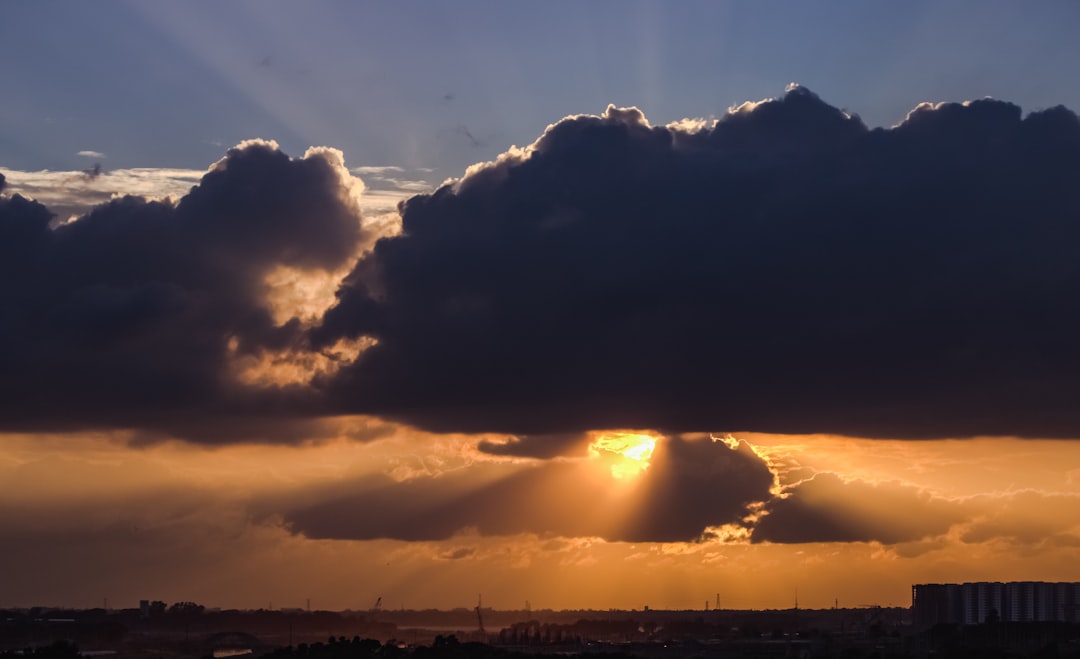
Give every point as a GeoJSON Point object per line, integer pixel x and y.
{"type": "Point", "coordinates": [980, 602]}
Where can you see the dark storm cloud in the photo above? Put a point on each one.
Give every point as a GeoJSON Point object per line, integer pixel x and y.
{"type": "Point", "coordinates": [785, 270]}
{"type": "Point", "coordinates": [539, 446]}
{"type": "Point", "coordinates": [128, 316]}
{"type": "Point", "coordinates": [828, 509]}
{"type": "Point", "coordinates": [690, 484]}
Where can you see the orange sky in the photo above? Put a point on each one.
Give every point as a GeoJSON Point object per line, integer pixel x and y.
{"type": "Point", "coordinates": [92, 517]}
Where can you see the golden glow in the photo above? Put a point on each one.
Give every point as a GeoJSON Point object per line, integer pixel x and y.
{"type": "Point", "coordinates": [191, 507]}
{"type": "Point", "coordinates": [280, 369]}
{"type": "Point", "coordinates": [303, 294]}
{"type": "Point", "coordinates": [627, 452]}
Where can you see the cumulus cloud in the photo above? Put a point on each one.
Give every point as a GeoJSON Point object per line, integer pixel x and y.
{"type": "Point", "coordinates": [785, 269]}
{"type": "Point", "coordinates": [691, 484]}
{"type": "Point", "coordinates": [782, 269]}
{"type": "Point", "coordinates": [131, 315]}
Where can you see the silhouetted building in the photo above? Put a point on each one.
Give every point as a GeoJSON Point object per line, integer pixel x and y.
{"type": "Point", "coordinates": [980, 602]}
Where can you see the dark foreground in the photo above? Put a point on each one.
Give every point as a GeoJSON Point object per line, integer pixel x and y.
{"type": "Point", "coordinates": [186, 631]}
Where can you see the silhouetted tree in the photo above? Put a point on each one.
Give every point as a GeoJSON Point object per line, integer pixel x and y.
{"type": "Point", "coordinates": [186, 609]}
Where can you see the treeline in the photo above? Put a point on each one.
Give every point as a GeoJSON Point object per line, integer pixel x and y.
{"type": "Point", "coordinates": [57, 650]}
{"type": "Point", "coordinates": [444, 647]}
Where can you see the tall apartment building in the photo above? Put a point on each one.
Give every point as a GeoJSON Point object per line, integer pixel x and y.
{"type": "Point", "coordinates": [976, 603]}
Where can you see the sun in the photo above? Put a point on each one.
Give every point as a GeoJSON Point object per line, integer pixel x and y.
{"type": "Point", "coordinates": [628, 453]}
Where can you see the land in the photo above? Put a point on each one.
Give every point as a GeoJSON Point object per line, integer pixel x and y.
{"type": "Point", "coordinates": [189, 631]}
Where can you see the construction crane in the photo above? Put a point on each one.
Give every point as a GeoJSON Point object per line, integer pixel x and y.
{"type": "Point", "coordinates": [479, 616]}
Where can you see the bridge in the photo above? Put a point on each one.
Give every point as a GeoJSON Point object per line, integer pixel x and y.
{"type": "Point", "coordinates": [234, 641]}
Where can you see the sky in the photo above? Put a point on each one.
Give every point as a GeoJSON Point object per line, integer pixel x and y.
{"type": "Point", "coordinates": [597, 305]}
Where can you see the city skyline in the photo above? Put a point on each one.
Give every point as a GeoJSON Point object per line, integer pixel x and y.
{"type": "Point", "coordinates": [342, 302]}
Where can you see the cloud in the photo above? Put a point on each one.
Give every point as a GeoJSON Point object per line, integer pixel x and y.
{"type": "Point", "coordinates": [784, 269]}
{"type": "Point", "coordinates": [69, 194]}
{"type": "Point", "coordinates": [91, 154]}
{"type": "Point", "coordinates": [826, 508]}
{"type": "Point", "coordinates": [695, 483]}
{"type": "Point", "coordinates": [133, 315]}
{"type": "Point", "coordinates": [391, 178]}
{"type": "Point", "coordinates": [538, 446]}
{"type": "Point", "coordinates": [377, 170]}
{"type": "Point", "coordinates": [457, 554]}
{"type": "Point", "coordinates": [691, 484]}
{"type": "Point", "coordinates": [1026, 517]}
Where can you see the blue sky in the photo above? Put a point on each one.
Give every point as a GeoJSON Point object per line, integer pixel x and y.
{"type": "Point", "coordinates": [442, 85]}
